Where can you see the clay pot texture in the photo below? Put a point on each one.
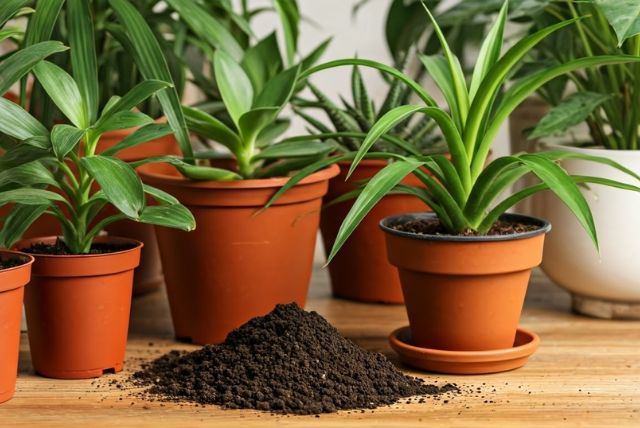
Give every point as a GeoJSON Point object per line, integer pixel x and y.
{"type": "Point", "coordinates": [360, 271]}
{"type": "Point", "coordinates": [240, 262]}
{"type": "Point", "coordinates": [148, 277]}
{"type": "Point", "coordinates": [78, 310]}
{"type": "Point", "coordinates": [464, 293]}
{"type": "Point", "coordinates": [12, 282]}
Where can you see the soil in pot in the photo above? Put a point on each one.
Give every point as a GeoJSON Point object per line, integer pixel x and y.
{"type": "Point", "coordinates": [289, 361]}
{"type": "Point", "coordinates": [464, 292]}
{"type": "Point", "coordinates": [78, 306]}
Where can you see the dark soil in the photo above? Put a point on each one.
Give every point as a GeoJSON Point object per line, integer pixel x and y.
{"type": "Point", "coordinates": [61, 249]}
{"type": "Point", "coordinates": [9, 263]}
{"type": "Point", "coordinates": [289, 361]}
{"type": "Point", "coordinates": [433, 227]}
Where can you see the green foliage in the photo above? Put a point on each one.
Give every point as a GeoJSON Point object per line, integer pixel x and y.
{"type": "Point", "coordinates": [58, 172]}
{"type": "Point", "coordinates": [464, 190]}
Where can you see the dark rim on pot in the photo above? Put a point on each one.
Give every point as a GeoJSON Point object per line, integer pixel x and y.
{"type": "Point", "coordinates": [387, 223]}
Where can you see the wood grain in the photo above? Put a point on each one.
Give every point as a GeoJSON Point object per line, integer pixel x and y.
{"type": "Point", "coordinates": [586, 373]}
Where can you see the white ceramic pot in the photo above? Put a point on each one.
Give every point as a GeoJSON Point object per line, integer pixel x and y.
{"type": "Point", "coordinates": [605, 285]}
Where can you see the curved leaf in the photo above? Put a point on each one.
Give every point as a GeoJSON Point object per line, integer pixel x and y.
{"type": "Point", "coordinates": [64, 138]}
{"type": "Point", "coordinates": [17, 123]}
{"type": "Point", "coordinates": [20, 63]}
{"type": "Point", "coordinates": [64, 92]}
{"type": "Point", "coordinates": [142, 135]}
{"type": "Point", "coordinates": [234, 85]}
{"type": "Point", "coordinates": [174, 216]}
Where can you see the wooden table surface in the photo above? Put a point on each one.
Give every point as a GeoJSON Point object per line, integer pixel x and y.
{"type": "Point", "coordinates": [586, 373]}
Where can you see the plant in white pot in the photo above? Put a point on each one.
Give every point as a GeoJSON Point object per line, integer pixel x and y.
{"type": "Point", "coordinates": [464, 268]}
{"type": "Point", "coordinates": [605, 283]}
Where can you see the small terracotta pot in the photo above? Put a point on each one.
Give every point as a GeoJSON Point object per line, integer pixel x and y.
{"type": "Point", "coordinates": [12, 282]}
{"type": "Point", "coordinates": [239, 263]}
{"type": "Point", "coordinates": [78, 310]}
{"type": "Point", "coordinates": [360, 271]}
{"type": "Point", "coordinates": [464, 293]}
{"type": "Point", "coordinates": [148, 277]}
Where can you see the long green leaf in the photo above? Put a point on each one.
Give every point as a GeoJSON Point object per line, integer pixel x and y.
{"type": "Point", "coordinates": [17, 123]}
{"type": "Point", "coordinates": [131, 99]}
{"type": "Point", "coordinates": [174, 216]}
{"type": "Point", "coordinates": [20, 63]}
{"type": "Point", "coordinates": [286, 150]}
{"type": "Point", "coordinates": [140, 136]}
{"type": "Point", "coordinates": [209, 127]}
{"type": "Point", "coordinates": [290, 18]}
{"type": "Point", "coordinates": [84, 61]}
{"type": "Point", "coordinates": [28, 196]}
{"type": "Point", "coordinates": [65, 138]}
{"type": "Point", "coordinates": [9, 8]}
{"type": "Point", "coordinates": [234, 85]}
{"type": "Point", "coordinates": [17, 223]}
{"type": "Point", "coordinates": [253, 122]}
{"type": "Point", "coordinates": [119, 182]}
{"type": "Point", "coordinates": [436, 66]}
{"type": "Point", "coordinates": [64, 92]}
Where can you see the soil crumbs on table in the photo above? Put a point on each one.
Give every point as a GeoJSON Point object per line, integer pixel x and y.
{"type": "Point", "coordinates": [289, 361]}
{"type": "Point", "coordinates": [61, 249]}
{"type": "Point", "coordinates": [434, 227]}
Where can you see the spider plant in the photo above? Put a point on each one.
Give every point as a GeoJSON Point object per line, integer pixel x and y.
{"type": "Point", "coordinates": [56, 171]}
{"type": "Point", "coordinates": [607, 99]}
{"type": "Point", "coordinates": [465, 190]}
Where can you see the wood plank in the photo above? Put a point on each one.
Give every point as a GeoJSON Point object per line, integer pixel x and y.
{"type": "Point", "coordinates": [586, 373]}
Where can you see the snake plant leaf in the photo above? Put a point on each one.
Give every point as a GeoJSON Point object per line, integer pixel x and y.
{"type": "Point", "coordinates": [29, 196]}
{"type": "Point", "coordinates": [65, 138]}
{"type": "Point", "coordinates": [124, 120]}
{"type": "Point", "coordinates": [131, 99]}
{"type": "Point", "coordinates": [570, 112]}
{"type": "Point", "coordinates": [142, 135]}
{"type": "Point", "coordinates": [489, 51]}
{"type": "Point", "coordinates": [293, 149]}
{"type": "Point", "coordinates": [18, 221]}
{"type": "Point", "coordinates": [290, 17]}
{"type": "Point", "coordinates": [22, 61]}
{"type": "Point", "coordinates": [207, 27]}
{"type": "Point", "coordinates": [64, 92]}
{"type": "Point", "coordinates": [262, 61]}
{"type": "Point", "coordinates": [209, 127]}
{"type": "Point", "coordinates": [381, 184]}
{"type": "Point", "coordinates": [234, 84]}
{"type": "Point", "coordinates": [153, 65]}
{"type": "Point", "coordinates": [623, 15]}
{"type": "Point", "coordinates": [175, 216]}
{"type": "Point", "coordinates": [9, 8]}
{"type": "Point", "coordinates": [17, 123]}
{"type": "Point", "coordinates": [119, 182]}
{"type": "Point", "coordinates": [84, 61]}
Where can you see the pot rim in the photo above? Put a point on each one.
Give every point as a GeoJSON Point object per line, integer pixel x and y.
{"type": "Point", "coordinates": [29, 261]}
{"type": "Point", "coordinates": [253, 183]}
{"type": "Point", "coordinates": [100, 239]}
{"type": "Point", "coordinates": [385, 223]}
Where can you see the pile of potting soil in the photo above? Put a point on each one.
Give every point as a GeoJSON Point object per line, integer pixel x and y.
{"type": "Point", "coordinates": [289, 361]}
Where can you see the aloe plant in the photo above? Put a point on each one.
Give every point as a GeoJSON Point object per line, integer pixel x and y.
{"type": "Point", "coordinates": [607, 101]}
{"type": "Point", "coordinates": [465, 189]}
{"type": "Point", "coordinates": [57, 171]}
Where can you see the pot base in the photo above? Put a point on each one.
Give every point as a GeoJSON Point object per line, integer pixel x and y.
{"type": "Point", "coordinates": [81, 374]}
{"type": "Point", "coordinates": [6, 396]}
{"type": "Point", "coordinates": [605, 309]}
{"type": "Point", "coordinates": [464, 362]}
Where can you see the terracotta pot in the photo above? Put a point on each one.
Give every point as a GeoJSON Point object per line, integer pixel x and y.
{"type": "Point", "coordinates": [12, 282]}
{"type": "Point", "coordinates": [360, 271]}
{"type": "Point", "coordinates": [148, 277]}
{"type": "Point", "coordinates": [236, 265]}
{"type": "Point", "coordinates": [78, 310]}
{"type": "Point", "coordinates": [464, 293]}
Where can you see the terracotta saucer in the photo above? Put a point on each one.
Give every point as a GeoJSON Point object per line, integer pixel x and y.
{"type": "Point", "coordinates": [464, 362]}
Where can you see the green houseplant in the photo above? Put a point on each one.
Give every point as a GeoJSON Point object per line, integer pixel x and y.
{"type": "Point", "coordinates": [456, 258]}
{"type": "Point", "coordinates": [57, 172]}
{"type": "Point", "coordinates": [210, 289]}
{"type": "Point", "coordinates": [601, 283]}
{"type": "Point", "coordinates": [15, 268]}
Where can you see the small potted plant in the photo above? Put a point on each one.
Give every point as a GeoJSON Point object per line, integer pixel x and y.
{"type": "Point", "coordinates": [602, 283]}
{"type": "Point", "coordinates": [78, 301]}
{"type": "Point", "coordinates": [464, 268]}
{"type": "Point", "coordinates": [239, 264]}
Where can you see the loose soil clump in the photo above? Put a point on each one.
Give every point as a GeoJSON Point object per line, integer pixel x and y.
{"type": "Point", "coordinates": [61, 249]}
{"type": "Point", "coordinates": [289, 361]}
{"type": "Point", "coordinates": [434, 227]}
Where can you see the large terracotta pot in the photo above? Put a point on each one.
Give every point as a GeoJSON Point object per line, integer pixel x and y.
{"type": "Point", "coordinates": [239, 263]}
{"type": "Point", "coordinates": [464, 293]}
{"type": "Point", "coordinates": [148, 277]}
{"type": "Point", "coordinates": [12, 282]}
{"type": "Point", "coordinates": [360, 271]}
{"type": "Point", "coordinates": [78, 310]}
{"type": "Point", "coordinates": [603, 284]}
